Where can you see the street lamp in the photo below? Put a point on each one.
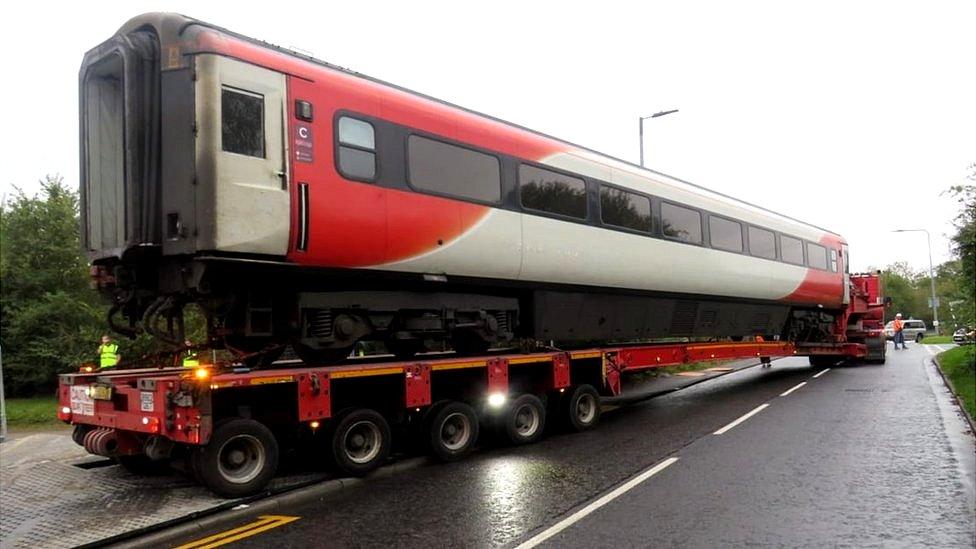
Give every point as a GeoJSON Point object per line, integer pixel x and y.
{"type": "Point", "coordinates": [935, 303]}
{"type": "Point", "coordinates": [642, 119]}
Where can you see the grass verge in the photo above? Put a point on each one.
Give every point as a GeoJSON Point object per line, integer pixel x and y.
{"type": "Point", "coordinates": [959, 367]}
{"type": "Point", "coordinates": [32, 412]}
{"type": "Point", "coordinates": [933, 340]}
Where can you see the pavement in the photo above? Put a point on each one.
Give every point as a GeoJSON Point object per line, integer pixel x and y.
{"type": "Point", "coordinates": [788, 456]}
{"type": "Point", "coordinates": [54, 494]}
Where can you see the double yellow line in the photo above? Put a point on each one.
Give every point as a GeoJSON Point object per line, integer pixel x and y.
{"type": "Point", "coordinates": [264, 523]}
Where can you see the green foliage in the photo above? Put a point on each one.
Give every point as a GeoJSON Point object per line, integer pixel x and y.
{"type": "Point", "coordinates": [32, 412]}
{"type": "Point", "coordinates": [51, 320]}
{"type": "Point", "coordinates": [964, 245]}
{"type": "Point", "coordinates": [908, 295]}
{"type": "Point", "coordinates": [959, 365]}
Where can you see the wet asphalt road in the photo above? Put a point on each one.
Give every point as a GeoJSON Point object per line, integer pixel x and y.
{"type": "Point", "coordinates": [858, 456]}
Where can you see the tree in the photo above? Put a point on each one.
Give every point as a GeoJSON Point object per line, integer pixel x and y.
{"type": "Point", "coordinates": [902, 285]}
{"type": "Point", "coordinates": [50, 319]}
{"type": "Point", "coordinates": [964, 246]}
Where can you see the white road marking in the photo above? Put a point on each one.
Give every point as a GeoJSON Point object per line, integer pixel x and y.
{"type": "Point", "coordinates": [821, 372]}
{"type": "Point", "coordinates": [728, 427]}
{"type": "Point", "coordinates": [603, 500]}
{"type": "Point", "coordinates": [793, 389]}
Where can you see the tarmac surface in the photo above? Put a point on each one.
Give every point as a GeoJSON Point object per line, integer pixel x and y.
{"type": "Point", "coordinates": [791, 456]}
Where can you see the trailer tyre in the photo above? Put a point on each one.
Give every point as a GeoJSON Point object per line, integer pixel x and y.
{"type": "Point", "coordinates": [524, 420]}
{"type": "Point", "coordinates": [581, 409]}
{"type": "Point", "coordinates": [240, 459]}
{"type": "Point", "coordinates": [361, 441]}
{"type": "Point", "coordinates": [452, 430]}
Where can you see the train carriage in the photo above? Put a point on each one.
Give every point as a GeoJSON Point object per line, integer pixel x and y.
{"type": "Point", "coordinates": [299, 202]}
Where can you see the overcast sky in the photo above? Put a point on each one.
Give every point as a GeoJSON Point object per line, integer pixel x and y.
{"type": "Point", "coordinates": [851, 115]}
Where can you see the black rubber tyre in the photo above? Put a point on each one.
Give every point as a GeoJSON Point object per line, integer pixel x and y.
{"type": "Point", "coordinates": [142, 466]}
{"type": "Point", "coordinates": [240, 459]}
{"type": "Point", "coordinates": [523, 420]}
{"type": "Point", "coordinates": [452, 430]}
{"type": "Point", "coordinates": [361, 441]}
{"type": "Point", "coordinates": [918, 338]}
{"type": "Point", "coordinates": [581, 408]}
{"type": "Point", "coordinates": [79, 432]}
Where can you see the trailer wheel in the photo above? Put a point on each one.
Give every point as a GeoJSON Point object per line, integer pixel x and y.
{"type": "Point", "coordinates": [360, 441]}
{"type": "Point", "coordinates": [240, 459]}
{"type": "Point", "coordinates": [452, 430]}
{"type": "Point", "coordinates": [524, 420]}
{"type": "Point", "coordinates": [582, 409]}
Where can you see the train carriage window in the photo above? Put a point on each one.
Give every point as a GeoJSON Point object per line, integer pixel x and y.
{"type": "Point", "coordinates": [816, 256]}
{"type": "Point", "coordinates": [242, 122]}
{"type": "Point", "coordinates": [552, 192]}
{"type": "Point", "coordinates": [357, 149]}
{"type": "Point", "coordinates": [833, 261]}
{"type": "Point", "coordinates": [681, 223]}
{"type": "Point", "coordinates": [443, 168]}
{"type": "Point", "coordinates": [762, 243]}
{"type": "Point", "coordinates": [792, 249]}
{"type": "Point", "coordinates": [624, 209]}
{"type": "Point", "coordinates": [725, 234]}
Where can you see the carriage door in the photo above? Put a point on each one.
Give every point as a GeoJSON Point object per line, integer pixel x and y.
{"type": "Point", "coordinates": [241, 155]}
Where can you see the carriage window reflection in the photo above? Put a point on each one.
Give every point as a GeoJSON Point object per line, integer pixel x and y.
{"type": "Point", "coordinates": [624, 209]}
{"type": "Point", "coordinates": [552, 192]}
{"type": "Point", "coordinates": [681, 223]}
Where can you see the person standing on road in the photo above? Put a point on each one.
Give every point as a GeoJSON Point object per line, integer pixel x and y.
{"type": "Point", "coordinates": [108, 353]}
{"type": "Point", "coordinates": [899, 328]}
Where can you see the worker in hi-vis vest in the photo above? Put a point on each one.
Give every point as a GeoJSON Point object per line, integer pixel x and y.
{"type": "Point", "coordinates": [108, 353]}
{"type": "Point", "coordinates": [190, 359]}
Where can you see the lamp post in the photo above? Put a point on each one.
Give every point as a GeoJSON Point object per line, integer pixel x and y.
{"type": "Point", "coordinates": [935, 303]}
{"type": "Point", "coordinates": [642, 119]}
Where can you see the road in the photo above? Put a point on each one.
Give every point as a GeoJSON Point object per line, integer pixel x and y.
{"type": "Point", "coordinates": [785, 456]}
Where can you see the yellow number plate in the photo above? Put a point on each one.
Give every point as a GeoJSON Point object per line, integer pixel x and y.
{"type": "Point", "coordinates": [101, 392]}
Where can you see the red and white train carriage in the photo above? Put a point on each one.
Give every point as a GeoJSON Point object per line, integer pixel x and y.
{"type": "Point", "coordinates": [299, 202]}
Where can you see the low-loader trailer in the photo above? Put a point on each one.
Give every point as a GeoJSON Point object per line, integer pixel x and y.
{"type": "Point", "coordinates": [227, 424]}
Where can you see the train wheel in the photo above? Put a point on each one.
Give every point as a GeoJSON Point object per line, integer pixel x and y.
{"type": "Point", "coordinates": [361, 441]}
{"type": "Point", "coordinates": [452, 430]}
{"type": "Point", "coordinates": [524, 420]}
{"type": "Point", "coordinates": [581, 409]}
{"type": "Point", "coordinates": [240, 459]}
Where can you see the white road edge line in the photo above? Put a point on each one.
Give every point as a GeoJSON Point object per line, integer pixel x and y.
{"type": "Point", "coordinates": [728, 427]}
{"type": "Point", "coordinates": [603, 500]}
{"type": "Point", "coordinates": [821, 372]}
{"type": "Point", "coordinates": [793, 389]}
